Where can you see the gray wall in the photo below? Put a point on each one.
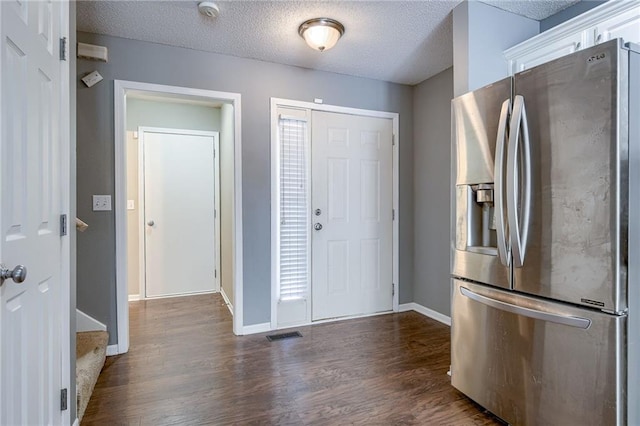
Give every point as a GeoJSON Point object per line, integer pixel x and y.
{"type": "Point", "coordinates": [568, 13]}
{"type": "Point", "coordinates": [256, 81]}
{"type": "Point", "coordinates": [432, 159]}
{"type": "Point", "coordinates": [481, 33]}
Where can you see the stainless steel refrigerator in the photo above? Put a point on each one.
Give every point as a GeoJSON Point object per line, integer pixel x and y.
{"type": "Point", "coordinates": [543, 326]}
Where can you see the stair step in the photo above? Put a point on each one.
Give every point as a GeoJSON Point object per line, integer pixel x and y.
{"type": "Point", "coordinates": [91, 351]}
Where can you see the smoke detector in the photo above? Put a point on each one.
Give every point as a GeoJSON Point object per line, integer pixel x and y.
{"type": "Point", "coordinates": [209, 9]}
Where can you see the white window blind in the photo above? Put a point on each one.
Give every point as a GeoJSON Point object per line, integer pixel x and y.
{"type": "Point", "coordinates": [294, 210]}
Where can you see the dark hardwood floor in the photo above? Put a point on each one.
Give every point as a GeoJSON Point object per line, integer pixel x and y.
{"type": "Point", "coordinates": [185, 367]}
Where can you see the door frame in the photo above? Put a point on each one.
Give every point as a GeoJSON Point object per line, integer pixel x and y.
{"type": "Point", "coordinates": [311, 106]}
{"type": "Point", "coordinates": [68, 207]}
{"type": "Point", "coordinates": [122, 88]}
{"type": "Point", "coordinates": [141, 203]}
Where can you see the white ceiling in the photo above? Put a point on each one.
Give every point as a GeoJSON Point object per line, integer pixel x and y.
{"type": "Point", "coordinates": [399, 41]}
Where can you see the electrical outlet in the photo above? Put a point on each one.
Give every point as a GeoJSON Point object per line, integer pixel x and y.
{"type": "Point", "coordinates": [101, 203]}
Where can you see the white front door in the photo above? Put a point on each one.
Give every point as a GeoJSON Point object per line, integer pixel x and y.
{"type": "Point", "coordinates": [32, 313]}
{"type": "Point", "coordinates": [351, 215]}
{"type": "Point", "coordinates": [179, 212]}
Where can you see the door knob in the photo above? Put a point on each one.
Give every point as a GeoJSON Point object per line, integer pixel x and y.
{"type": "Point", "coordinates": [151, 223]}
{"type": "Point", "coordinates": [317, 226]}
{"type": "Point", "coordinates": [18, 274]}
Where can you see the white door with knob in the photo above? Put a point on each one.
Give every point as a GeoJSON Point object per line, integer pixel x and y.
{"type": "Point", "coordinates": [351, 215]}
{"type": "Point", "coordinates": [34, 120]}
{"type": "Point", "coordinates": [179, 184]}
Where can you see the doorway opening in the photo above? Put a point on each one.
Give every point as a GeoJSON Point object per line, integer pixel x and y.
{"type": "Point", "coordinates": [154, 125]}
{"type": "Point", "coordinates": [334, 227]}
{"type": "Point", "coordinates": [173, 200]}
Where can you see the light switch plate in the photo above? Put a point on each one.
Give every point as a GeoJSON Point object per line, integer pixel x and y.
{"type": "Point", "coordinates": [131, 204]}
{"type": "Point", "coordinates": [101, 203]}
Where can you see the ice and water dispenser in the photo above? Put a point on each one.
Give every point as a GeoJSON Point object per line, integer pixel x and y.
{"type": "Point", "coordinates": [477, 216]}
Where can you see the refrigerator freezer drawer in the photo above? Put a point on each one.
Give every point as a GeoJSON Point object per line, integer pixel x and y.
{"type": "Point", "coordinates": [535, 362]}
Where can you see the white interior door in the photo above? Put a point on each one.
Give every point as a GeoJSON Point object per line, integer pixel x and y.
{"type": "Point", "coordinates": [179, 212]}
{"type": "Point", "coordinates": [352, 215]}
{"type": "Point", "coordinates": [32, 312]}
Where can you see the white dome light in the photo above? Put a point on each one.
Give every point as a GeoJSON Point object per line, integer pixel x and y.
{"type": "Point", "coordinates": [209, 9]}
{"type": "Point", "coordinates": [321, 33]}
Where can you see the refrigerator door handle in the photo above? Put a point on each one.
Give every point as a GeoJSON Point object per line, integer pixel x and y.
{"type": "Point", "coordinates": [518, 218]}
{"type": "Point", "coordinates": [571, 321]}
{"type": "Point", "coordinates": [498, 175]}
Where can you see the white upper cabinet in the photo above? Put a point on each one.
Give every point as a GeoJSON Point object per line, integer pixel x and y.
{"type": "Point", "coordinates": [608, 21]}
{"type": "Point", "coordinates": [554, 49]}
{"type": "Point", "coordinates": [626, 25]}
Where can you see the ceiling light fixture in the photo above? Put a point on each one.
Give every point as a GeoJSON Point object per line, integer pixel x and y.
{"type": "Point", "coordinates": [321, 33]}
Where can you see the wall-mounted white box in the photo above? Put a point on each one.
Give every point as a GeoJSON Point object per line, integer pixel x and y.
{"type": "Point", "coordinates": [92, 51]}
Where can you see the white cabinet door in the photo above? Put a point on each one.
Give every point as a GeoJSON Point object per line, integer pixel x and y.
{"type": "Point", "coordinates": [614, 19]}
{"type": "Point", "coordinates": [625, 26]}
{"type": "Point", "coordinates": [549, 52]}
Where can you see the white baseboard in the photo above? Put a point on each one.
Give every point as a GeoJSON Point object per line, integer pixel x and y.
{"type": "Point", "coordinates": [265, 327]}
{"type": "Point", "coordinates": [226, 300]}
{"type": "Point", "coordinates": [134, 297]}
{"type": "Point", "coordinates": [112, 350]}
{"type": "Point", "coordinates": [76, 422]}
{"type": "Point", "coordinates": [426, 312]}
{"type": "Point", "coordinates": [405, 307]}
{"type": "Point", "coordinates": [85, 322]}
{"type": "Point", "coordinates": [256, 328]}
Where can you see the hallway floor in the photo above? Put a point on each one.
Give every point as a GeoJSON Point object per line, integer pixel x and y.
{"type": "Point", "coordinates": [185, 367]}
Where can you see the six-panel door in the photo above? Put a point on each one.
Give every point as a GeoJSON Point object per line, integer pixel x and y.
{"type": "Point", "coordinates": [31, 312]}
{"type": "Point", "coordinates": [352, 234]}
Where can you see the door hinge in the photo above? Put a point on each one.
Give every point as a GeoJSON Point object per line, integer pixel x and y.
{"type": "Point", "coordinates": [393, 140]}
{"type": "Point", "coordinates": [63, 48]}
{"type": "Point", "coordinates": [63, 225]}
{"type": "Point", "coordinates": [393, 214]}
{"type": "Point", "coordinates": [215, 273]}
{"type": "Point", "coordinates": [215, 214]}
{"type": "Point", "coordinates": [63, 399]}
{"type": "Point", "coordinates": [393, 289]}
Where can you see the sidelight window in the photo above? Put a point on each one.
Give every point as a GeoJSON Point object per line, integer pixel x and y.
{"type": "Point", "coordinates": [293, 199]}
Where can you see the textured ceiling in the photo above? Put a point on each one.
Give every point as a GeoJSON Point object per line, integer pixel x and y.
{"type": "Point", "coordinates": [534, 9]}
{"type": "Point", "coordinates": [399, 41]}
